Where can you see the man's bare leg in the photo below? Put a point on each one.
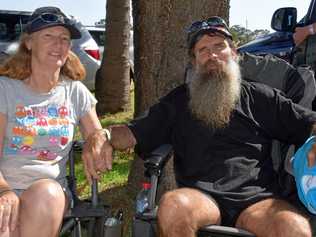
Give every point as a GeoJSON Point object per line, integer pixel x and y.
{"type": "Point", "coordinates": [182, 211]}
{"type": "Point", "coordinates": [274, 218]}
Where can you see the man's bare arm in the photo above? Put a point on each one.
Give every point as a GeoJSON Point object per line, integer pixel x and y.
{"type": "Point", "coordinates": [122, 137]}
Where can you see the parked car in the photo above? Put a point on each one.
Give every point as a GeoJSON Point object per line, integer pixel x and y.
{"type": "Point", "coordinates": [98, 33]}
{"type": "Point", "coordinates": [11, 26]}
{"type": "Point", "coordinates": [280, 43]}
{"type": "Point", "coordinates": [277, 43]}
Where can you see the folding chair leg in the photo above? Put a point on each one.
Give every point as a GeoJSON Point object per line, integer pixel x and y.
{"type": "Point", "coordinates": [99, 227]}
{"type": "Point", "coordinates": [77, 230]}
{"type": "Point", "coordinates": [143, 228]}
{"type": "Point", "coordinates": [67, 226]}
{"type": "Point", "coordinates": [91, 226]}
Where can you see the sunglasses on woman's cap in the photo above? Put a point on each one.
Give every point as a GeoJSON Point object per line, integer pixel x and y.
{"type": "Point", "coordinates": [45, 17]}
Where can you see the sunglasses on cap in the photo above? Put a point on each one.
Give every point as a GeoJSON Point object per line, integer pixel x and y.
{"type": "Point", "coordinates": [212, 23]}
{"type": "Point", "coordinates": [51, 18]}
{"type": "Point", "coordinates": [48, 17]}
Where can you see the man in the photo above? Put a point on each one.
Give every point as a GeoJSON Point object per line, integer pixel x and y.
{"type": "Point", "coordinates": [221, 130]}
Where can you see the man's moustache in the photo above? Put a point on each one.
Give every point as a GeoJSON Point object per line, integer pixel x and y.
{"type": "Point", "coordinates": [213, 63]}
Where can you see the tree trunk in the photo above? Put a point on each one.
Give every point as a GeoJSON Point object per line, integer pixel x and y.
{"type": "Point", "coordinates": [161, 55]}
{"type": "Point", "coordinates": [112, 88]}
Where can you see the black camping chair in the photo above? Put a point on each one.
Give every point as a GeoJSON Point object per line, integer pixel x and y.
{"type": "Point", "coordinates": [144, 225]}
{"type": "Point", "coordinates": [85, 214]}
{"type": "Point", "coordinates": [296, 83]}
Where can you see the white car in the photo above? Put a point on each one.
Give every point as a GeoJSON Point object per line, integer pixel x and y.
{"type": "Point", "coordinates": [98, 33]}
{"type": "Point", "coordinates": [11, 26]}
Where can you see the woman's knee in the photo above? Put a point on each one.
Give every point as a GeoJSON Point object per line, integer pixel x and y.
{"type": "Point", "coordinates": [44, 194]}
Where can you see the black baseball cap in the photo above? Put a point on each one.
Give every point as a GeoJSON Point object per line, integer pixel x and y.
{"type": "Point", "coordinates": [45, 17]}
{"type": "Point", "coordinates": [214, 24]}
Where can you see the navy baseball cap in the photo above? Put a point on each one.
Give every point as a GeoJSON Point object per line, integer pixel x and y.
{"type": "Point", "coordinates": [214, 24]}
{"type": "Point", "coordinates": [45, 17]}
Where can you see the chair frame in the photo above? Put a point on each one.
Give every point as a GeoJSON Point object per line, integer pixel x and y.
{"type": "Point", "coordinates": [85, 213]}
{"type": "Point", "coordinates": [144, 225]}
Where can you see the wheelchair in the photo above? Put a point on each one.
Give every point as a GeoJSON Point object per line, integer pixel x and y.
{"type": "Point", "coordinates": [144, 225]}
{"type": "Point", "coordinates": [89, 215]}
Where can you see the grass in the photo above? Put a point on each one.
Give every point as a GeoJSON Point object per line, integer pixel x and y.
{"type": "Point", "coordinates": [121, 163]}
{"type": "Point", "coordinates": [116, 177]}
{"type": "Point", "coordinates": [112, 186]}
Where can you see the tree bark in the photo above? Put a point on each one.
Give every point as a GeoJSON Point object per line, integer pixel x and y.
{"type": "Point", "coordinates": [161, 55]}
{"type": "Point", "coordinates": [112, 88]}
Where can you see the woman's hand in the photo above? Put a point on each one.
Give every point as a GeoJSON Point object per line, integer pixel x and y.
{"type": "Point", "coordinates": [97, 155]}
{"type": "Point", "coordinates": [9, 210]}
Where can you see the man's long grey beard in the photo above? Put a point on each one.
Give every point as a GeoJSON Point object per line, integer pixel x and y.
{"type": "Point", "coordinates": [213, 95]}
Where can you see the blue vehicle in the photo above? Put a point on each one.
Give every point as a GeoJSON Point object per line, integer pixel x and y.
{"type": "Point", "coordinates": [277, 43]}
{"type": "Point", "coordinates": [280, 43]}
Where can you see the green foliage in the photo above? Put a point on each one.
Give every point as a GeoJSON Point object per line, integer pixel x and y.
{"type": "Point", "coordinates": [241, 35]}
{"type": "Point", "coordinates": [116, 177]}
{"type": "Point", "coordinates": [121, 163]}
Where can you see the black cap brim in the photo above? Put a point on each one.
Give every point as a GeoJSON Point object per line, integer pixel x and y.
{"type": "Point", "coordinates": [192, 39]}
{"type": "Point", "coordinates": [74, 32]}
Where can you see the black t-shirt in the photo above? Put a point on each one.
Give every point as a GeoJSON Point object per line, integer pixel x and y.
{"type": "Point", "coordinates": [233, 162]}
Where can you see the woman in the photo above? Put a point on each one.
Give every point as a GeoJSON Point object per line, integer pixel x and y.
{"type": "Point", "coordinates": [41, 101]}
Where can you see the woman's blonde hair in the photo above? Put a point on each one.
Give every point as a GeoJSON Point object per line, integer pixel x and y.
{"type": "Point", "coordinates": [18, 66]}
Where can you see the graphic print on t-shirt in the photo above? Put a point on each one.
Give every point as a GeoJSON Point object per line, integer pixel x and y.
{"type": "Point", "coordinates": [44, 125]}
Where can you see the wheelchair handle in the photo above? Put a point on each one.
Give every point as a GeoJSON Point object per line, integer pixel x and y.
{"type": "Point", "coordinates": [94, 193]}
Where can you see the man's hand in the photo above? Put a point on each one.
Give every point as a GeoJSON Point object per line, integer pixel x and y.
{"type": "Point", "coordinates": [97, 155]}
{"type": "Point", "coordinates": [9, 210]}
{"type": "Point", "coordinates": [301, 33]}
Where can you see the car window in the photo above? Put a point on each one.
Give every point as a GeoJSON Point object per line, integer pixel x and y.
{"type": "Point", "coordinates": [11, 26]}
{"type": "Point", "coordinates": [3, 31]}
{"type": "Point", "coordinates": [8, 33]}
{"type": "Point", "coordinates": [98, 36]}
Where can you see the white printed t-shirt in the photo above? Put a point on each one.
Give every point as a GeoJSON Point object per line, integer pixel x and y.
{"type": "Point", "coordinates": [40, 129]}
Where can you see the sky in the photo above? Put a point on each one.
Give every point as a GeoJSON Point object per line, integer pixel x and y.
{"type": "Point", "coordinates": [257, 14]}
{"type": "Point", "coordinates": [252, 14]}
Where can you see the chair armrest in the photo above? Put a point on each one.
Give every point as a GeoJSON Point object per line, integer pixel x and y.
{"type": "Point", "coordinates": [230, 231]}
{"type": "Point", "coordinates": [158, 157]}
{"type": "Point", "coordinates": [78, 145]}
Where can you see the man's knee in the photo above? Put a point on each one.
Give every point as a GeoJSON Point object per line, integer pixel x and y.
{"type": "Point", "coordinates": [186, 209]}
{"type": "Point", "coordinates": [174, 204]}
{"type": "Point", "coordinates": [175, 214]}
{"type": "Point", "coordinates": [288, 224]}
{"type": "Point", "coordinates": [275, 218]}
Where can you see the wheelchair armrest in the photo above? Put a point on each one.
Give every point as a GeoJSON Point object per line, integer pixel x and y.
{"type": "Point", "coordinates": [78, 145]}
{"type": "Point", "coordinates": [158, 157]}
{"type": "Point", "coordinates": [225, 230]}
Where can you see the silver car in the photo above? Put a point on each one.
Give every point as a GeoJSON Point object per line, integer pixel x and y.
{"type": "Point", "coordinates": [98, 33]}
{"type": "Point", "coordinates": [11, 26]}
